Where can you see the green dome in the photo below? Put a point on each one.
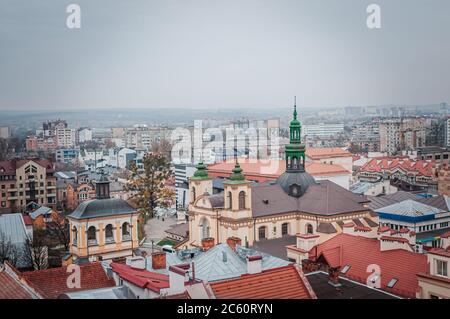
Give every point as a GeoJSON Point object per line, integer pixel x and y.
{"type": "Point", "coordinates": [201, 172]}
{"type": "Point", "coordinates": [237, 174]}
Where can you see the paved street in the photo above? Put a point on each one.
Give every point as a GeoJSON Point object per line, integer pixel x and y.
{"type": "Point", "coordinates": [155, 228]}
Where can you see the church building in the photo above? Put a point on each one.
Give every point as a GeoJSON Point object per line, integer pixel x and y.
{"type": "Point", "coordinates": [103, 228]}
{"type": "Point", "coordinates": [294, 204]}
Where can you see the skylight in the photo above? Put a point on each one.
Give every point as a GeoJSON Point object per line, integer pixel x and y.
{"type": "Point", "coordinates": [392, 282]}
{"type": "Point", "coordinates": [345, 269]}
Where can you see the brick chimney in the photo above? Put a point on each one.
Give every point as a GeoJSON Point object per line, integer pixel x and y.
{"type": "Point", "coordinates": [233, 242]}
{"type": "Point", "coordinates": [159, 260]}
{"type": "Point", "coordinates": [333, 274]}
{"type": "Point", "coordinates": [254, 264]}
{"type": "Point", "coordinates": [307, 241]}
{"type": "Point", "coordinates": [207, 243]}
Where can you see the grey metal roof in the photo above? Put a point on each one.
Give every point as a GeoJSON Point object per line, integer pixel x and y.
{"type": "Point", "coordinates": [12, 227]}
{"type": "Point", "coordinates": [43, 210]}
{"type": "Point", "coordinates": [410, 208]}
{"type": "Point", "coordinates": [442, 202]}
{"type": "Point", "coordinates": [220, 262]}
{"type": "Point", "coordinates": [323, 198]}
{"type": "Point", "coordinates": [275, 247]}
{"type": "Point", "coordinates": [66, 174]}
{"type": "Point", "coordinates": [360, 187]}
{"type": "Point", "coordinates": [386, 200]}
{"type": "Point", "coordinates": [102, 208]}
{"type": "Point", "coordinates": [302, 179]}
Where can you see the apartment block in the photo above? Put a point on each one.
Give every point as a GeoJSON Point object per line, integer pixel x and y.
{"type": "Point", "coordinates": [27, 182]}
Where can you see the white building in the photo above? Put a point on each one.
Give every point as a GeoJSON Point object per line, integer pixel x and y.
{"type": "Point", "coordinates": [85, 135]}
{"type": "Point", "coordinates": [5, 132]}
{"type": "Point", "coordinates": [447, 133]}
{"type": "Point", "coordinates": [323, 130]}
{"type": "Point", "coordinates": [65, 137]}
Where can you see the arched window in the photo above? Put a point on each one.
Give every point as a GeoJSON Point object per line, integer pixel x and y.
{"type": "Point", "coordinates": [309, 229]}
{"type": "Point", "coordinates": [193, 194]}
{"type": "Point", "coordinates": [241, 200]}
{"type": "Point", "coordinates": [92, 236]}
{"type": "Point", "coordinates": [204, 228]}
{"type": "Point", "coordinates": [126, 231]}
{"type": "Point", "coordinates": [230, 201]}
{"type": "Point", "coordinates": [262, 232]}
{"type": "Point", "coordinates": [284, 229]}
{"type": "Point", "coordinates": [109, 235]}
{"type": "Point", "coordinates": [74, 235]}
{"type": "Point", "coordinates": [295, 163]}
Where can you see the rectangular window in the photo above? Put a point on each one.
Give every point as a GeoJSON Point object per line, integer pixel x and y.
{"type": "Point", "coordinates": [392, 282]}
{"type": "Point", "coordinates": [441, 268]}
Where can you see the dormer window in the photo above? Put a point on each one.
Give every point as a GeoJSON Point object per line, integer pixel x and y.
{"type": "Point", "coordinates": [345, 269]}
{"type": "Point", "coordinates": [392, 283]}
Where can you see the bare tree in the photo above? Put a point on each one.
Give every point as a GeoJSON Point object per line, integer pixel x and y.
{"type": "Point", "coordinates": [36, 250]}
{"type": "Point", "coordinates": [8, 251]}
{"type": "Point", "coordinates": [58, 229]}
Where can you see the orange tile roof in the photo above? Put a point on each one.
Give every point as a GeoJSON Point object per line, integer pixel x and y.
{"type": "Point", "coordinates": [286, 282]}
{"type": "Point", "coordinates": [417, 167]}
{"type": "Point", "coordinates": [11, 289]}
{"type": "Point", "coordinates": [360, 252]}
{"type": "Point", "coordinates": [50, 283]}
{"type": "Point", "coordinates": [271, 169]}
{"type": "Point", "coordinates": [141, 277]}
{"type": "Point", "coordinates": [327, 152]}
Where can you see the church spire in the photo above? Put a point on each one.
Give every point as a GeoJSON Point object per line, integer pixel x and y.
{"type": "Point", "coordinates": [295, 151]}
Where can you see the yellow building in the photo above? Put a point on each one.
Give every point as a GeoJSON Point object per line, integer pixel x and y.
{"type": "Point", "coordinates": [103, 228]}
{"type": "Point", "coordinates": [294, 204]}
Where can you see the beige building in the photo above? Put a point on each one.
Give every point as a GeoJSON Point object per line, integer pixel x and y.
{"type": "Point", "coordinates": [436, 283]}
{"type": "Point", "coordinates": [104, 228]}
{"type": "Point", "coordinates": [294, 203]}
{"type": "Point", "coordinates": [25, 183]}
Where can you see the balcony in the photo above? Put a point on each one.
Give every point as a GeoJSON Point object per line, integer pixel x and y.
{"type": "Point", "coordinates": [126, 237]}
{"type": "Point", "coordinates": [92, 242]}
{"type": "Point", "coordinates": [109, 240]}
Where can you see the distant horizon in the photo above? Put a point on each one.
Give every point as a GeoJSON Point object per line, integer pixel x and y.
{"type": "Point", "coordinates": [202, 109]}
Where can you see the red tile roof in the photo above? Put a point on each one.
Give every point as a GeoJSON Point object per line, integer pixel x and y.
{"type": "Point", "coordinates": [270, 170]}
{"type": "Point", "coordinates": [326, 152]}
{"type": "Point", "coordinates": [50, 283]}
{"type": "Point", "coordinates": [11, 289]}
{"type": "Point", "coordinates": [286, 282]}
{"type": "Point", "coordinates": [360, 252]}
{"type": "Point", "coordinates": [416, 167]}
{"type": "Point", "coordinates": [27, 220]}
{"type": "Point", "coordinates": [141, 277]}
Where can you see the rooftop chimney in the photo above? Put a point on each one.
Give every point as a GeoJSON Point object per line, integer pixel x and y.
{"type": "Point", "coordinates": [233, 242]}
{"type": "Point", "coordinates": [159, 260]}
{"type": "Point", "coordinates": [333, 274]}
{"type": "Point", "coordinates": [307, 241]}
{"type": "Point", "coordinates": [136, 262]}
{"type": "Point", "coordinates": [178, 275]}
{"type": "Point", "coordinates": [207, 243]}
{"type": "Point", "coordinates": [254, 264]}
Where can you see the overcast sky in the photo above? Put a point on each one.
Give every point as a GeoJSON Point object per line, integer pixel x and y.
{"type": "Point", "coordinates": [222, 53]}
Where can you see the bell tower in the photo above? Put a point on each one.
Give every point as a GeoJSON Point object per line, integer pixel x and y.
{"type": "Point", "coordinates": [200, 183]}
{"type": "Point", "coordinates": [295, 150]}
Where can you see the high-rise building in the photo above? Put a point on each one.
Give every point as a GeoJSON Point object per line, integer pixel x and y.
{"type": "Point", "coordinates": [402, 134]}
